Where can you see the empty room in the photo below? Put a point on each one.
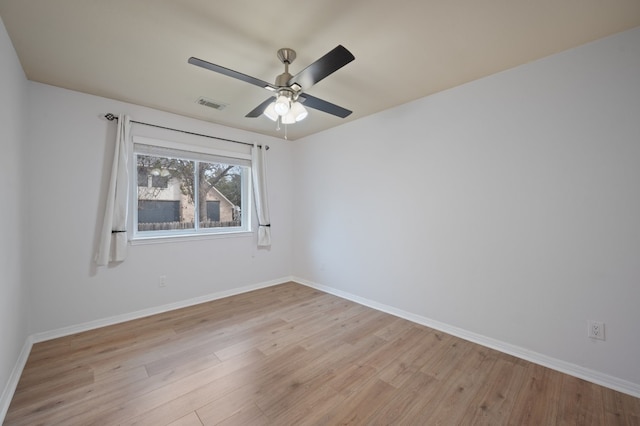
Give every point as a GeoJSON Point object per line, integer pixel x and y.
{"type": "Point", "coordinates": [322, 213]}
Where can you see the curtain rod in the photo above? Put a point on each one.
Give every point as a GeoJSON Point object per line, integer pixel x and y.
{"type": "Point", "coordinates": [112, 117]}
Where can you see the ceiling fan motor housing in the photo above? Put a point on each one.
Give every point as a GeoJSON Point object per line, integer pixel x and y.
{"type": "Point", "coordinates": [283, 79]}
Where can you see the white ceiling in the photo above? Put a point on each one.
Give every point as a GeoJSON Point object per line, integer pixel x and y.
{"type": "Point", "coordinates": [137, 51]}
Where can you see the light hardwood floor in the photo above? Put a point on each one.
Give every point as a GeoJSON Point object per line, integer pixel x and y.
{"type": "Point", "coordinates": [292, 355]}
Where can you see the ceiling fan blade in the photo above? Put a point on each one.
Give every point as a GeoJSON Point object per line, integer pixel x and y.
{"type": "Point", "coordinates": [324, 106]}
{"type": "Point", "coordinates": [327, 65]}
{"type": "Point", "coordinates": [231, 73]}
{"type": "Point", "coordinates": [257, 111]}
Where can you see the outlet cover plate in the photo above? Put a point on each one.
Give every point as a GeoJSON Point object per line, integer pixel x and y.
{"type": "Point", "coordinates": [595, 330]}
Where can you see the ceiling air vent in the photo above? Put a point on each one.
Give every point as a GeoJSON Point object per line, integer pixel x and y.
{"type": "Point", "coordinates": [211, 103]}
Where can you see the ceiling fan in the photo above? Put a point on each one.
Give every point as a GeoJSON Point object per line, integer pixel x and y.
{"type": "Point", "coordinates": [290, 90]}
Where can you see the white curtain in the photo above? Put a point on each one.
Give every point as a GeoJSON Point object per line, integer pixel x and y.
{"type": "Point", "coordinates": [259, 174]}
{"type": "Point", "coordinates": [113, 238]}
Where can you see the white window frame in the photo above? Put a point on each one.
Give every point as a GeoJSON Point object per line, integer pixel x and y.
{"type": "Point", "coordinates": [150, 146]}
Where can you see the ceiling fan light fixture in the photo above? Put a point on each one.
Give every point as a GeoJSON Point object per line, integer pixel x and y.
{"type": "Point", "coordinates": [270, 112]}
{"type": "Point", "coordinates": [299, 111]}
{"type": "Point", "coordinates": [282, 105]}
{"type": "Point", "coordinates": [289, 118]}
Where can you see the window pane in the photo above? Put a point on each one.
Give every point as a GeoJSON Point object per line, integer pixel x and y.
{"type": "Point", "coordinates": [220, 194]}
{"type": "Point", "coordinates": [168, 203]}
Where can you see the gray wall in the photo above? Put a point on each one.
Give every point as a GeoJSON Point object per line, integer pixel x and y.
{"type": "Point", "coordinates": [519, 205]}
{"type": "Point", "coordinates": [13, 291]}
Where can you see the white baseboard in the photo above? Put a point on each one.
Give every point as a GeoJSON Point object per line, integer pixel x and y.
{"type": "Point", "coordinates": [593, 376]}
{"type": "Point", "coordinates": [14, 378]}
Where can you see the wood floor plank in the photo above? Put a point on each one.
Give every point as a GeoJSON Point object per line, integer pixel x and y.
{"type": "Point", "coordinates": [292, 355]}
{"type": "Point", "coordinates": [209, 345]}
{"type": "Point", "coordinates": [362, 405]}
{"type": "Point", "coordinates": [620, 409]}
{"type": "Point", "coordinates": [310, 408]}
{"type": "Point", "coordinates": [538, 396]}
{"type": "Point", "coordinates": [39, 369]}
{"type": "Point", "coordinates": [190, 419]}
{"type": "Point", "coordinates": [80, 399]}
{"type": "Point", "coordinates": [403, 407]}
{"type": "Point", "coordinates": [329, 337]}
{"type": "Point", "coordinates": [496, 399]}
{"type": "Point", "coordinates": [289, 333]}
{"type": "Point", "coordinates": [66, 380]}
{"type": "Point", "coordinates": [463, 384]}
{"type": "Point", "coordinates": [217, 411]}
{"type": "Point", "coordinates": [395, 327]}
{"type": "Point", "coordinates": [259, 375]}
{"type": "Point", "coordinates": [183, 395]}
{"type": "Point", "coordinates": [575, 403]}
{"type": "Point", "coordinates": [249, 416]}
{"type": "Point", "coordinates": [409, 362]}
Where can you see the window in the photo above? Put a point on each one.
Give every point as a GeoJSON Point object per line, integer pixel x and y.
{"type": "Point", "coordinates": [186, 190]}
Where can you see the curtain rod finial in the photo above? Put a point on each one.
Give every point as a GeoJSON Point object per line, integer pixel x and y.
{"type": "Point", "coordinates": [110, 117]}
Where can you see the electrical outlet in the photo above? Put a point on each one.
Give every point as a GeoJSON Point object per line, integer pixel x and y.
{"type": "Point", "coordinates": [595, 330]}
{"type": "Point", "coordinates": [163, 281]}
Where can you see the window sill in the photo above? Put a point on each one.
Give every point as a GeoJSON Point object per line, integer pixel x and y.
{"type": "Point", "coordinates": [161, 239]}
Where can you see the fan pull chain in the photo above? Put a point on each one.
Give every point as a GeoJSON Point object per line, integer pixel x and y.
{"type": "Point", "coordinates": [286, 128]}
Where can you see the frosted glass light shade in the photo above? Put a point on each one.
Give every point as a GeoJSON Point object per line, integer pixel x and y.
{"type": "Point", "coordinates": [282, 105]}
{"type": "Point", "coordinates": [289, 118]}
{"type": "Point", "coordinates": [299, 111]}
{"type": "Point", "coordinates": [270, 112]}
